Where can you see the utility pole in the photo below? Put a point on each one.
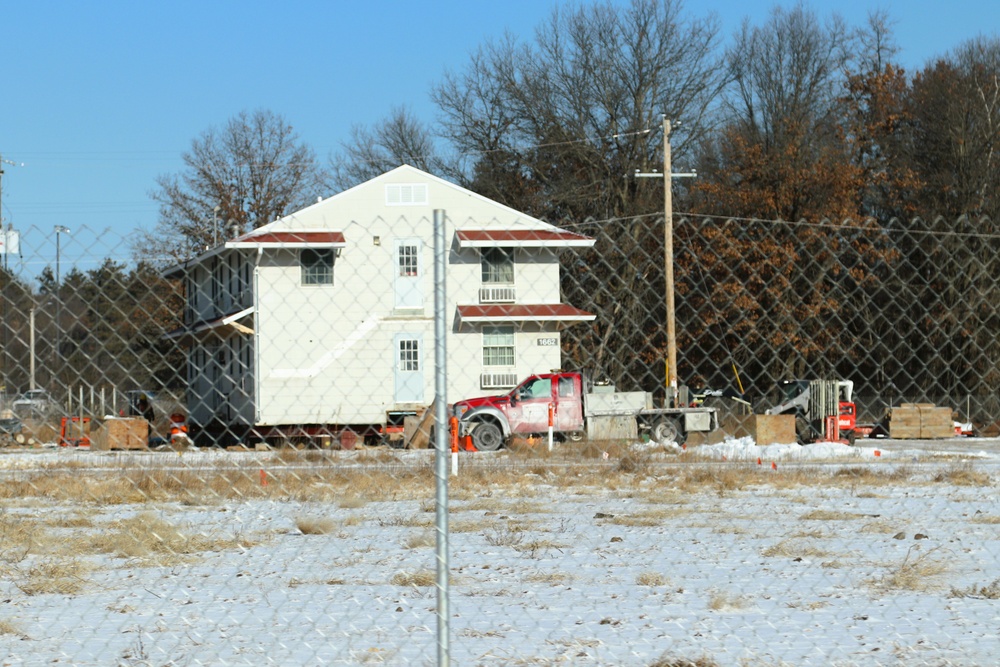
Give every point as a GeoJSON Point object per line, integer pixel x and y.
{"type": "Point", "coordinates": [59, 229]}
{"type": "Point", "coordinates": [668, 260]}
{"type": "Point", "coordinates": [9, 243]}
{"type": "Point", "coordinates": [668, 266]}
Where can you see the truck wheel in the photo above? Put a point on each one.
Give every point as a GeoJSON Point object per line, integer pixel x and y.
{"type": "Point", "coordinates": [576, 436]}
{"type": "Point", "coordinates": [666, 431]}
{"type": "Point", "coordinates": [487, 437]}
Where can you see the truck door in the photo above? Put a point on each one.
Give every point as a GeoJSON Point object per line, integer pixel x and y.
{"type": "Point", "coordinates": [569, 404]}
{"type": "Point", "coordinates": [530, 412]}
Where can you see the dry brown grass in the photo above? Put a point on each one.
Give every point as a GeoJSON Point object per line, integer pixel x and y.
{"type": "Point", "coordinates": [57, 576]}
{"type": "Point", "coordinates": [869, 476]}
{"type": "Point", "coordinates": [703, 661]}
{"type": "Point", "coordinates": [880, 527]}
{"type": "Point", "coordinates": [311, 525]}
{"type": "Point", "coordinates": [421, 540]}
{"type": "Point", "coordinates": [664, 495]}
{"type": "Point", "coordinates": [236, 480]}
{"type": "Point", "coordinates": [723, 601]}
{"type": "Point", "coordinates": [71, 520]}
{"type": "Point", "coordinates": [917, 572]}
{"type": "Point", "coordinates": [421, 579]}
{"type": "Point", "coordinates": [467, 525]}
{"type": "Point", "coordinates": [814, 534]}
{"type": "Point", "coordinates": [153, 540]}
{"type": "Point", "coordinates": [478, 504]}
{"type": "Point", "coordinates": [963, 475]}
{"type": "Point", "coordinates": [536, 548]}
{"type": "Point", "coordinates": [830, 515]}
{"type": "Point", "coordinates": [793, 548]}
{"type": "Point", "coordinates": [719, 479]}
{"type": "Point", "coordinates": [503, 534]}
{"type": "Point", "coordinates": [651, 579]}
{"type": "Point", "coordinates": [990, 591]}
{"type": "Point", "coordinates": [351, 502]}
{"type": "Point", "coordinates": [20, 537]}
{"type": "Point", "coordinates": [989, 519]}
{"type": "Point", "coordinates": [334, 581]}
{"type": "Point", "coordinates": [8, 627]}
{"type": "Point", "coordinates": [651, 517]}
{"type": "Point", "coordinates": [525, 506]}
{"type": "Point", "coordinates": [551, 578]}
{"type": "Point", "coordinates": [730, 528]}
{"type": "Point", "coordinates": [635, 463]}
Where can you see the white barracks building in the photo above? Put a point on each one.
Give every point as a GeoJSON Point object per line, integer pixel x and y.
{"type": "Point", "coordinates": [324, 319]}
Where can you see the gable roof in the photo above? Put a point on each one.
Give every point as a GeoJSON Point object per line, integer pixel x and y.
{"type": "Point", "coordinates": [480, 213]}
{"type": "Point", "coordinates": [488, 223]}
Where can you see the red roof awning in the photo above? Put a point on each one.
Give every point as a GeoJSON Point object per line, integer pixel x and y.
{"type": "Point", "coordinates": [293, 239]}
{"type": "Point", "coordinates": [521, 238]}
{"type": "Point", "coordinates": [541, 312]}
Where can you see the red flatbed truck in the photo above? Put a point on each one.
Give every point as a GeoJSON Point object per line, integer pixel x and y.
{"type": "Point", "coordinates": [577, 408]}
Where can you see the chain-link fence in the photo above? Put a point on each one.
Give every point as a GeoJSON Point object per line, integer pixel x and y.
{"type": "Point", "coordinates": [230, 460]}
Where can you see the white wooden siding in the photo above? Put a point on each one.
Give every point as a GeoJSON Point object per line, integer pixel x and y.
{"type": "Point", "coordinates": [325, 354]}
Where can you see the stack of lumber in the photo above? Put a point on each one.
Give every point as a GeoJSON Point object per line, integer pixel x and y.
{"type": "Point", "coordinates": [921, 420]}
{"type": "Point", "coordinates": [121, 434]}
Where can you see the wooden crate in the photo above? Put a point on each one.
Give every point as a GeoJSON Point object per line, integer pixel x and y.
{"type": "Point", "coordinates": [764, 429]}
{"type": "Point", "coordinates": [125, 433]}
{"type": "Point", "coordinates": [921, 421]}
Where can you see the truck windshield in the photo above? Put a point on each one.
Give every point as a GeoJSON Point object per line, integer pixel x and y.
{"type": "Point", "coordinates": [535, 388]}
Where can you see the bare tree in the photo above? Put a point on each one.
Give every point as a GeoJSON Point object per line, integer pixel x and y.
{"type": "Point", "coordinates": [398, 139]}
{"type": "Point", "coordinates": [781, 152]}
{"type": "Point", "coordinates": [878, 126]}
{"type": "Point", "coordinates": [554, 126]}
{"type": "Point", "coordinates": [786, 73]}
{"type": "Point", "coordinates": [252, 171]}
{"type": "Point", "coordinates": [956, 144]}
{"type": "Point", "coordinates": [557, 126]}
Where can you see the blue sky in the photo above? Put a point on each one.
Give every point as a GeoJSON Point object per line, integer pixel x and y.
{"type": "Point", "coordinates": [98, 98]}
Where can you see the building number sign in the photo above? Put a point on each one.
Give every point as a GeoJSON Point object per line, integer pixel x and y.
{"type": "Point", "coordinates": [546, 342]}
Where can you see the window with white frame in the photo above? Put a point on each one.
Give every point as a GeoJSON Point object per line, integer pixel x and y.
{"type": "Point", "coordinates": [409, 264]}
{"type": "Point", "coordinates": [498, 346]}
{"type": "Point", "coordinates": [317, 266]}
{"type": "Point", "coordinates": [498, 266]}
{"type": "Point", "coordinates": [409, 354]}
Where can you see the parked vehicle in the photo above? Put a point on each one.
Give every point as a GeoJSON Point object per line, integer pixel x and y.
{"type": "Point", "coordinates": [813, 402]}
{"type": "Point", "coordinates": [34, 401]}
{"type": "Point", "coordinates": [10, 426]}
{"type": "Point", "coordinates": [576, 408]}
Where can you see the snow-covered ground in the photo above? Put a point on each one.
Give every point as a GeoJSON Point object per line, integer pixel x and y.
{"type": "Point", "coordinates": [887, 559]}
